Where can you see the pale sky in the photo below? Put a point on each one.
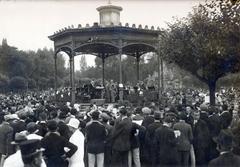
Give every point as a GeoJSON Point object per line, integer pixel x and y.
{"type": "Point", "coordinates": [27, 24]}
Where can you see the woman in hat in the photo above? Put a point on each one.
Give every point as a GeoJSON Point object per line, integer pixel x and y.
{"type": "Point", "coordinates": [77, 138]}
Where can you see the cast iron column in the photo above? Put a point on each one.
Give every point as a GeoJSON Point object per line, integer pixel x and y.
{"type": "Point", "coordinates": [120, 71]}
{"type": "Point", "coordinates": [162, 77]}
{"type": "Point", "coordinates": [55, 76]}
{"type": "Point", "coordinates": [138, 69]}
{"type": "Point", "coordinates": [72, 78]}
{"type": "Point", "coordinates": [103, 70]}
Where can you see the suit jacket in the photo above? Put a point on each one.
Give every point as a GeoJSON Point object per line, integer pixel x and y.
{"type": "Point", "coordinates": [121, 134]}
{"type": "Point", "coordinates": [147, 121]}
{"type": "Point", "coordinates": [186, 137]}
{"type": "Point", "coordinates": [226, 160]}
{"type": "Point", "coordinates": [6, 137]}
{"type": "Point", "coordinates": [95, 137]}
{"type": "Point", "coordinates": [54, 146]}
{"type": "Point", "coordinates": [201, 135]}
{"type": "Point", "coordinates": [150, 133]}
{"type": "Point", "coordinates": [214, 125]}
{"type": "Point", "coordinates": [166, 144]}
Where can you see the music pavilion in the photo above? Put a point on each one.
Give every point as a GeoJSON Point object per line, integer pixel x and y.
{"type": "Point", "coordinates": [104, 39]}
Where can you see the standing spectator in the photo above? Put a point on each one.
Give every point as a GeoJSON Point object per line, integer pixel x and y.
{"type": "Point", "coordinates": [77, 138]}
{"type": "Point", "coordinates": [201, 138]}
{"type": "Point", "coordinates": [150, 135]}
{"type": "Point", "coordinates": [54, 145]}
{"type": "Point", "coordinates": [6, 137]}
{"type": "Point", "coordinates": [42, 124]}
{"type": "Point", "coordinates": [31, 153]}
{"type": "Point", "coordinates": [214, 126]}
{"type": "Point", "coordinates": [184, 140]}
{"type": "Point", "coordinates": [108, 148]}
{"type": "Point", "coordinates": [121, 139]}
{"type": "Point", "coordinates": [95, 141]}
{"type": "Point", "coordinates": [166, 143]}
{"type": "Point", "coordinates": [15, 160]}
{"type": "Point", "coordinates": [224, 144]}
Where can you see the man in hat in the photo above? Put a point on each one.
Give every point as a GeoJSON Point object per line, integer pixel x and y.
{"type": "Point", "coordinates": [121, 139]}
{"type": "Point", "coordinates": [201, 139]}
{"type": "Point", "coordinates": [15, 160]}
{"type": "Point", "coordinates": [224, 145]}
{"type": "Point", "coordinates": [77, 138]}
{"type": "Point", "coordinates": [166, 143]}
{"type": "Point", "coordinates": [31, 153]}
{"type": "Point", "coordinates": [95, 141]}
{"type": "Point", "coordinates": [108, 149]}
{"type": "Point", "coordinates": [54, 145]}
{"type": "Point", "coordinates": [184, 144]}
{"type": "Point", "coordinates": [150, 132]}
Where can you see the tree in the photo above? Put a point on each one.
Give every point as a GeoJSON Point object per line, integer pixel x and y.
{"type": "Point", "coordinates": [83, 63]}
{"type": "Point", "coordinates": [18, 83]}
{"type": "Point", "coordinates": [206, 43]}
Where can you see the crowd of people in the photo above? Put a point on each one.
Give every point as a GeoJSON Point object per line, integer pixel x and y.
{"type": "Point", "coordinates": [181, 129]}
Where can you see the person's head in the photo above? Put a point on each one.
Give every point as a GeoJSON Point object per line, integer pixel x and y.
{"type": "Point", "coordinates": [52, 125]}
{"type": "Point", "coordinates": [31, 153]}
{"type": "Point", "coordinates": [104, 117]}
{"type": "Point", "coordinates": [188, 109]}
{"type": "Point", "coordinates": [73, 124]}
{"type": "Point", "coordinates": [123, 111]}
{"type": "Point", "coordinates": [18, 138]}
{"type": "Point", "coordinates": [54, 114]}
{"type": "Point", "coordinates": [168, 120]}
{"type": "Point", "coordinates": [196, 115]}
{"type": "Point", "coordinates": [32, 127]}
{"type": "Point", "coordinates": [157, 115]}
{"type": "Point", "coordinates": [224, 107]}
{"type": "Point", "coordinates": [73, 111]}
{"type": "Point", "coordinates": [224, 140]}
{"type": "Point", "coordinates": [95, 115]}
{"type": "Point", "coordinates": [42, 116]}
{"type": "Point", "coordinates": [182, 116]}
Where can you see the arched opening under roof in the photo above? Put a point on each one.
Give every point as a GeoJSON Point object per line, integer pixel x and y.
{"type": "Point", "coordinates": [98, 49]}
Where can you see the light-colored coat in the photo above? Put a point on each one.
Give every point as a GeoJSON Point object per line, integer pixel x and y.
{"type": "Point", "coordinates": [77, 159]}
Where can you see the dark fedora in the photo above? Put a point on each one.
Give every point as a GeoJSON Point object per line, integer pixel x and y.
{"type": "Point", "coordinates": [225, 138]}
{"type": "Point", "coordinates": [30, 147]}
{"type": "Point", "coordinates": [19, 137]}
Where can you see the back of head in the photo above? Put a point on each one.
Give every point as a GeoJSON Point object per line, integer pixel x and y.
{"type": "Point", "coordinates": [95, 115]}
{"type": "Point", "coordinates": [157, 115]}
{"type": "Point", "coordinates": [52, 125]}
{"type": "Point", "coordinates": [123, 111]}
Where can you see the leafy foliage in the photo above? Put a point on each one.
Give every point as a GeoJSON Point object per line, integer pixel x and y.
{"type": "Point", "coordinates": [34, 68]}
{"type": "Point", "coordinates": [206, 43]}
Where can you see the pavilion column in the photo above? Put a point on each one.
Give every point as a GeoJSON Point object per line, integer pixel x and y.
{"type": "Point", "coordinates": [72, 78]}
{"type": "Point", "coordinates": [159, 78]}
{"type": "Point", "coordinates": [138, 66]}
{"type": "Point", "coordinates": [55, 76]}
{"type": "Point", "coordinates": [103, 70]}
{"type": "Point", "coordinates": [162, 75]}
{"type": "Point", "coordinates": [120, 71]}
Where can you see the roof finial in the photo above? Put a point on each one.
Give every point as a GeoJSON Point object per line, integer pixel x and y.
{"type": "Point", "coordinates": [109, 2]}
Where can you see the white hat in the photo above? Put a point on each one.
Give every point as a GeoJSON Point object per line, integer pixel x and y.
{"type": "Point", "coordinates": [11, 117]}
{"type": "Point", "coordinates": [74, 123]}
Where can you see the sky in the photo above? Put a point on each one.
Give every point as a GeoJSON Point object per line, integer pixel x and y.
{"type": "Point", "coordinates": [27, 23]}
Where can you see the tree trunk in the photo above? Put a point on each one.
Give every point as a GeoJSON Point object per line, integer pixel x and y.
{"type": "Point", "coordinates": [212, 89]}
